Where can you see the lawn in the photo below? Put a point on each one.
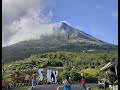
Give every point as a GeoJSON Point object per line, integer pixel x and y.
{"type": "Point", "coordinates": [20, 88]}
{"type": "Point", "coordinates": [91, 71]}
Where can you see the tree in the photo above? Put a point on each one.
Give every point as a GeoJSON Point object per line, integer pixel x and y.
{"type": "Point", "coordinates": [63, 74]}
{"type": "Point", "coordinates": [75, 76]}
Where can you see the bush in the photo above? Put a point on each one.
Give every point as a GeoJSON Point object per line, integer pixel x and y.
{"type": "Point", "coordinates": [19, 79]}
{"type": "Point", "coordinates": [28, 78]}
{"type": "Point", "coordinates": [63, 74]}
{"type": "Point", "coordinates": [93, 66]}
{"type": "Point", "coordinates": [102, 75]}
{"type": "Point", "coordinates": [112, 77]}
{"type": "Point", "coordinates": [17, 73]}
{"type": "Point", "coordinates": [75, 76]}
{"type": "Point", "coordinates": [90, 78]}
{"type": "Point", "coordinates": [4, 84]}
{"type": "Point", "coordinates": [8, 76]}
{"type": "Point", "coordinates": [59, 79]}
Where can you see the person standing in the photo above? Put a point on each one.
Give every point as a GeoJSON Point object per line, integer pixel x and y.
{"type": "Point", "coordinates": [52, 80]}
{"type": "Point", "coordinates": [34, 81]}
{"type": "Point", "coordinates": [67, 83]}
{"type": "Point", "coordinates": [83, 82]}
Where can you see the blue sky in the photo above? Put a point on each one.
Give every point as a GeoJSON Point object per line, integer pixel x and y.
{"type": "Point", "coordinates": [98, 18]}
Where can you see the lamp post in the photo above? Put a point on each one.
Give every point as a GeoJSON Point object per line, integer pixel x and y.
{"type": "Point", "coordinates": [2, 54]}
{"type": "Point", "coordinates": [2, 58]}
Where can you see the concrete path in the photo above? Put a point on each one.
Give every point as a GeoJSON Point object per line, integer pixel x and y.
{"type": "Point", "coordinates": [54, 87]}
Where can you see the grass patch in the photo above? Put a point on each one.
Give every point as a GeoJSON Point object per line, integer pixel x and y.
{"type": "Point", "coordinates": [20, 88]}
{"type": "Point", "coordinates": [91, 71]}
{"type": "Point", "coordinates": [95, 88]}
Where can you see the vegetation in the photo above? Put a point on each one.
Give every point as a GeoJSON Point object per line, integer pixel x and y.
{"type": "Point", "coordinates": [75, 75]}
{"type": "Point", "coordinates": [112, 77]}
{"type": "Point", "coordinates": [70, 63]}
{"type": "Point", "coordinates": [91, 71]}
{"type": "Point", "coordinates": [20, 88]}
{"type": "Point", "coordinates": [82, 60]}
{"type": "Point", "coordinates": [95, 88]}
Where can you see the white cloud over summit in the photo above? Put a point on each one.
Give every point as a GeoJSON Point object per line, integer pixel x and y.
{"type": "Point", "coordinates": [24, 20]}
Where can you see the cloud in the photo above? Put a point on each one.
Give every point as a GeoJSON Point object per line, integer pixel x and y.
{"type": "Point", "coordinates": [65, 22]}
{"type": "Point", "coordinates": [24, 20]}
{"type": "Point", "coordinates": [115, 15]}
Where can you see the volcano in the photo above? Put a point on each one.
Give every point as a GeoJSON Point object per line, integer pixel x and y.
{"type": "Point", "coordinates": [63, 38]}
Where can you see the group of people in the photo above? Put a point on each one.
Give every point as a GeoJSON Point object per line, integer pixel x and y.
{"type": "Point", "coordinates": [66, 82]}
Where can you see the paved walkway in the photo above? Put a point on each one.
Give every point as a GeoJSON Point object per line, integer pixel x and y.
{"type": "Point", "coordinates": [54, 87]}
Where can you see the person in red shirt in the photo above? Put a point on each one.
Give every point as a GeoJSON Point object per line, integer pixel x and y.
{"type": "Point", "coordinates": [83, 82]}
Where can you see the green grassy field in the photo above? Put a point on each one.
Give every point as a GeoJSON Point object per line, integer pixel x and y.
{"type": "Point", "coordinates": [91, 71]}
{"type": "Point", "coordinates": [20, 88]}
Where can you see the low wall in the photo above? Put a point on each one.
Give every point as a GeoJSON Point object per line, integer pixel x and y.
{"type": "Point", "coordinates": [25, 84]}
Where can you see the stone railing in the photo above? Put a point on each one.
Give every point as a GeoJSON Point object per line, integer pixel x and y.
{"type": "Point", "coordinates": [12, 85]}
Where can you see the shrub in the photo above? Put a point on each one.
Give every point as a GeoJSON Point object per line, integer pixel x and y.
{"type": "Point", "coordinates": [17, 73]}
{"type": "Point", "coordinates": [4, 76]}
{"type": "Point", "coordinates": [90, 78]}
{"type": "Point", "coordinates": [63, 74]}
{"type": "Point", "coordinates": [59, 79]}
{"type": "Point", "coordinates": [93, 66]}
{"type": "Point", "coordinates": [28, 78]}
{"type": "Point", "coordinates": [112, 77]}
{"type": "Point", "coordinates": [4, 84]}
{"type": "Point", "coordinates": [75, 76]}
{"type": "Point", "coordinates": [19, 79]}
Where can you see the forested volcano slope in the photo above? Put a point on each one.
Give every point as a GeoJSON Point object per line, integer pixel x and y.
{"type": "Point", "coordinates": [63, 38]}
